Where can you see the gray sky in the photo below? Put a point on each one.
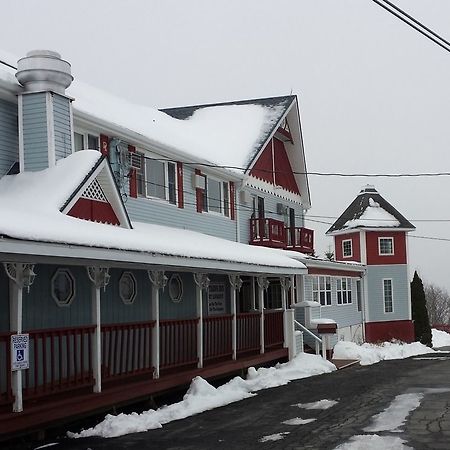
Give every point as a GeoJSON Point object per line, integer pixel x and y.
{"type": "Point", "coordinates": [374, 94]}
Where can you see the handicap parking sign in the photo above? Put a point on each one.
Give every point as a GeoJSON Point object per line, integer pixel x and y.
{"type": "Point", "coordinates": [19, 351]}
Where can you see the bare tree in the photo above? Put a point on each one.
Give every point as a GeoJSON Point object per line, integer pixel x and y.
{"type": "Point", "coordinates": [438, 304]}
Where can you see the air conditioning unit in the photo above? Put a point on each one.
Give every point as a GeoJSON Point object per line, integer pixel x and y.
{"type": "Point", "coordinates": [281, 209]}
{"type": "Point", "coordinates": [245, 197]}
{"type": "Point", "coordinates": [198, 181]}
{"type": "Point", "coordinates": [135, 161]}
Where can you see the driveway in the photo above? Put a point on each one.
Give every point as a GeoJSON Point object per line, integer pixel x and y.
{"type": "Point", "coordinates": [360, 392]}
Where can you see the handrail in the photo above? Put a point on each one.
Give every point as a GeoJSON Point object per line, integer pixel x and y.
{"type": "Point", "coordinates": [317, 338]}
{"type": "Point", "coordinates": [318, 342]}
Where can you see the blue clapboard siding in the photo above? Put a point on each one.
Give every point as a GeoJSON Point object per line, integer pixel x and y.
{"type": "Point", "coordinates": [160, 212]}
{"type": "Point", "coordinates": [270, 204]}
{"type": "Point", "coordinates": [344, 315]}
{"type": "Point", "coordinates": [400, 282]}
{"type": "Point", "coordinates": [35, 141]}
{"type": "Point", "coordinates": [61, 120]}
{"type": "Point", "coordinates": [9, 136]}
{"type": "Point", "coordinates": [4, 301]}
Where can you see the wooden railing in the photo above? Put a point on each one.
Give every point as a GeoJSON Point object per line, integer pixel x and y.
{"type": "Point", "coordinates": [300, 239]}
{"type": "Point", "coordinates": [217, 337]}
{"type": "Point", "coordinates": [267, 232]}
{"type": "Point", "coordinates": [126, 349]}
{"type": "Point", "coordinates": [273, 329]}
{"type": "Point", "coordinates": [248, 328]}
{"type": "Point", "coordinates": [178, 343]}
{"type": "Point", "coordinates": [5, 369]}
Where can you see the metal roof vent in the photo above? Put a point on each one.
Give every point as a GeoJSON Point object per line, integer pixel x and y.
{"type": "Point", "coordinates": [44, 70]}
{"type": "Point", "coordinates": [368, 189]}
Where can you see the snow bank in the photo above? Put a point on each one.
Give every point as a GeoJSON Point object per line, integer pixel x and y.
{"type": "Point", "coordinates": [440, 338]}
{"type": "Point", "coordinates": [201, 396]}
{"type": "Point", "coordinates": [321, 404]}
{"type": "Point", "coordinates": [374, 442]}
{"type": "Point", "coordinates": [371, 353]}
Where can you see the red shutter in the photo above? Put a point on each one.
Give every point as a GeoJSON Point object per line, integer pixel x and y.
{"type": "Point", "coordinates": [104, 145]}
{"type": "Point", "coordinates": [232, 200]}
{"type": "Point", "coordinates": [180, 185]}
{"type": "Point", "coordinates": [133, 177]}
{"type": "Point", "coordinates": [199, 194]}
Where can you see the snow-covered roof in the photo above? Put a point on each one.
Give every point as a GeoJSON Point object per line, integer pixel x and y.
{"type": "Point", "coordinates": [370, 210]}
{"type": "Point", "coordinates": [30, 203]}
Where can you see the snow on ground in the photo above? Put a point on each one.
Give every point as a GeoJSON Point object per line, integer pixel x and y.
{"type": "Point", "coordinates": [374, 442]}
{"type": "Point", "coordinates": [321, 404]}
{"type": "Point", "coordinates": [201, 396]}
{"type": "Point", "coordinates": [371, 353]}
{"type": "Point", "coordinates": [440, 338]}
{"type": "Point", "coordinates": [298, 421]}
{"type": "Point", "coordinates": [394, 416]}
{"type": "Point", "coordinates": [274, 437]}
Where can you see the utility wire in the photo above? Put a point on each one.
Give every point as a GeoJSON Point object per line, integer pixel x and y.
{"type": "Point", "coordinates": [411, 22]}
{"type": "Point", "coordinates": [8, 65]}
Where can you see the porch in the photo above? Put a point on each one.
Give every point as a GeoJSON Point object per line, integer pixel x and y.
{"type": "Point", "coordinates": [273, 233]}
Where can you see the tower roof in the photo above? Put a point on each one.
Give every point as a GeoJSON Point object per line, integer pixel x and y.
{"type": "Point", "coordinates": [370, 210]}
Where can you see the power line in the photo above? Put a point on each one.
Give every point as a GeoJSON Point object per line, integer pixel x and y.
{"type": "Point", "coordinates": [7, 64]}
{"type": "Point", "coordinates": [433, 238]}
{"type": "Point", "coordinates": [413, 23]}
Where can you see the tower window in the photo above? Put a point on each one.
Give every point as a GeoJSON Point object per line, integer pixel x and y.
{"type": "Point", "coordinates": [386, 246]}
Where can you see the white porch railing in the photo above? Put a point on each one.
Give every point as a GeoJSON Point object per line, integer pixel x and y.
{"type": "Point", "coordinates": [318, 342]}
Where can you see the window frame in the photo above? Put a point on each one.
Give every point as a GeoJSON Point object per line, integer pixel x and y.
{"type": "Point", "coordinates": [344, 296]}
{"type": "Point", "coordinates": [72, 279]}
{"type": "Point", "coordinates": [224, 200]}
{"type": "Point", "coordinates": [128, 301]}
{"type": "Point", "coordinates": [86, 133]}
{"type": "Point", "coordinates": [142, 177]}
{"type": "Point", "coordinates": [327, 292]}
{"type": "Point", "coordinates": [386, 238]}
{"type": "Point", "coordinates": [177, 277]}
{"type": "Point", "coordinates": [391, 281]}
{"type": "Point", "coordinates": [345, 241]}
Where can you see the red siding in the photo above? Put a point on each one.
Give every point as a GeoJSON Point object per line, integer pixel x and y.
{"type": "Point", "coordinates": [399, 256]}
{"type": "Point", "coordinates": [232, 201]}
{"type": "Point", "coordinates": [104, 145]}
{"type": "Point", "coordinates": [333, 272]}
{"type": "Point", "coordinates": [94, 211]}
{"type": "Point", "coordinates": [180, 185]}
{"type": "Point", "coordinates": [385, 331]}
{"type": "Point", "coordinates": [276, 160]}
{"type": "Point", "coordinates": [356, 247]}
{"type": "Point", "coordinates": [133, 178]}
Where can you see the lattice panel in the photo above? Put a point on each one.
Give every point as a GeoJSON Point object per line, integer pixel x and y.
{"type": "Point", "coordinates": [94, 192]}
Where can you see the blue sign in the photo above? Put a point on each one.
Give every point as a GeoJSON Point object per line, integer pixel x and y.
{"type": "Point", "coordinates": [19, 351]}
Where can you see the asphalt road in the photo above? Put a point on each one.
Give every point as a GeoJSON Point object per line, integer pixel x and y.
{"type": "Point", "coordinates": [361, 392]}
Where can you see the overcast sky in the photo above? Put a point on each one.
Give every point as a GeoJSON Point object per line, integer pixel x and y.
{"type": "Point", "coordinates": [374, 94]}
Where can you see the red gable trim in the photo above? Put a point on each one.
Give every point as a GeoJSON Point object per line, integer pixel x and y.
{"type": "Point", "coordinates": [133, 177]}
{"type": "Point", "coordinates": [263, 167]}
{"type": "Point", "coordinates": [180, 185]}
{"type": "Point", "coordinates": [94, 211]}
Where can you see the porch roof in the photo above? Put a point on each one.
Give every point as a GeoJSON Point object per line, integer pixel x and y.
{"type": "Point", "coordinates": [30, 203]}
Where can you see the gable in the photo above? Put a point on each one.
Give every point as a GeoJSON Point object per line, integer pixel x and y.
{"type": "Point", "coordinates": [274, 167]}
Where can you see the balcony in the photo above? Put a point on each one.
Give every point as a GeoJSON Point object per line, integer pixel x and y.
{"type": "Point", "coordinates": [273, 233]}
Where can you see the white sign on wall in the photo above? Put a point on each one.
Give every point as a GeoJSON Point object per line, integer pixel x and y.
{"type": "Point", "coordinates": [20, 351]}
{"type": "Point", "coordinates": [216, 299]}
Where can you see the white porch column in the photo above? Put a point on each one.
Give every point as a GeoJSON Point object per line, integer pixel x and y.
{"type": "Point", "coordinates": [292, 299]}
{"type": "Point", "coordinates": [201, 283]}
{"type": "Point", "coordinates": [236, 284]}
{"type": "Point", "coordinates": [21, 276]}
{"type": "Point", "coordinates": [285, 283]}
{"type": "Point", "coordinates": [263, 285]}
{"type": "Point", "coordinates": [99, 277]}
{"type": "Point", "coordinates": [253, 294]}
{"type": "Point", "coordinates": [159, 281]}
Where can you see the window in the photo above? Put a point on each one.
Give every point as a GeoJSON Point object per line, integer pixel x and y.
{"type": "Point", "coordinates": [176, 288]}
{"type": "Point", "coordinates": [216, 196]}
{"type": "Point", "coordinates": [127, 288]}
{"type": "Point", "coordinates": [347, 250]}
{"type": "Point", "coordinates": [321, 290]}
{"type": "Point", "coordinates": [63, 287]}
{"type": "Point", "coordinates": [344, 291]}
{"type": "Point", "coordinates": [388, 296]}
{"type": "Point", "coordinates": [84, 141]}
{"type": "Point", "coordinates": [157, 179]}
{"type": "Point", "coordinates": [359, 295]}
{"type": "Point", "coordinates": [386, 246]}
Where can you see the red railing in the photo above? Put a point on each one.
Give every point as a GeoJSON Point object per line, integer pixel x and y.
{"type": "Point", "coordinates": [126, 349]}
{"type": "Point", "coordinates": [217, 337]}
{"type": "Point", "coordinates": [178, 343]}
{"type": "Point", "coordinates": [60, 360]}
{"type": "Point", "coordinates": [267, 232]}
{"type": "Point", "coordinates": [442, 327]}
{"type": "Point", "coordinates": [273, 329]}
{"type": "Point", "coordinates": [5, 369]}
{"type": "Point", "coordinates": [300, 239]}
{"type": "Point", "coordinates": [248, 327]}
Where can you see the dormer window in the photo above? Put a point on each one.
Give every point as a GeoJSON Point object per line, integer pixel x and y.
{"type": "Point", "coordinates": [347, 250]}
{"type": "Point", "coordinates": [85, 141]}
{"type": "Point", "coordinates": [385, 246]}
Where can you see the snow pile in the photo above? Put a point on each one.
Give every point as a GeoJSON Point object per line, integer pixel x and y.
{"type": "Point", "coordinates": [321, 404]}
{"type": "Point", "coordinates": [370, 353]}
{"type": "Point", "coordinates": [440, 338]}
{"type": "Point", "coordinates": [373, 216]}
{"type": "Point", "coordinates": [274, 437]}
{"type": "Point", "coordinates": [298, 421]}
{"type": "Point", "coordinates": [201, 396]}
{"type": "Point", "coordinates": [374, 442]}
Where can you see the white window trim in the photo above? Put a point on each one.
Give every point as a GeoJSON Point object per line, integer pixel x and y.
{"type": "Point", "coordinates": [392, 295]}
{"type": "Point", "coordinates": [85, 132]}
{"type": "Point", "coordinates": [176, 276]}
{"type": "Point", "coordinates": [349, 282]}
{"type": "Point", "coordinates": [222, 202]}
{"type": "Point", "coordinates": [132, 299]}
{"type": "Point", "coordinates": [326, 305]}
{"type": "Point", "coordinates": [74, 291]}
{"type": "Point", "coordinates": [146, 154]}
{"type": "Point", "coordinates": [379, 246]}
{"type": "Point", "coordinates": [351, 248]}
